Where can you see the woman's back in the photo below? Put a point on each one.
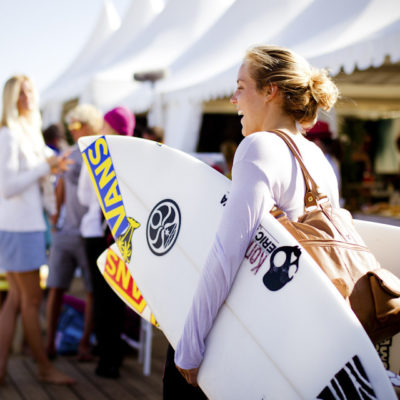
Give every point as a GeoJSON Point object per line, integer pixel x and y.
{"type": "Point", "coordinates": [265, 156]}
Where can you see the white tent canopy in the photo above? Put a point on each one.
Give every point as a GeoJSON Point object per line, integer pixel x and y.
{"type": "Point", "coordinates": [201, 43]}
{"type": "Point", "coordinates": [170, 34]}
{"type": "Point", "coordinates": [247, 22]}
{"type": "Point", "coordinates": [109, 37]}
{"type": "Point", "coordinates": [225, 41]}
{"type": "Point", "coordinates": [139, 15]}
{"type": "Point", "coordinates": [369, 51]}
{"type": "Point", "coordinates": [361, 36]}
{"type": "Point", "coordinates": [107, 23]}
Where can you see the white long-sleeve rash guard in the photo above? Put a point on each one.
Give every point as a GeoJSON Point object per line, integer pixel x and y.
{"type": "Point", "coordinates": [264, 173]}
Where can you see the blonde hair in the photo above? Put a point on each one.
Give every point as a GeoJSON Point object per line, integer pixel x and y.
{"type": "Point", "coordinates": [11, 91]}
{"type": "Point", "coordinates": [87, 114]}
{"type": "Point", "coordinates": [24, 126]}
{"type": "Point", "coordinates": [304, 89]}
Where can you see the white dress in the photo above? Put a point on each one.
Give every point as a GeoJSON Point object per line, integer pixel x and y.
{"type": "Point", "coordinates": [22, 223]}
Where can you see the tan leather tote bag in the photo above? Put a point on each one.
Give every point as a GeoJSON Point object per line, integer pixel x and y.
{"type": "Point", "coordinates": [329, 236]}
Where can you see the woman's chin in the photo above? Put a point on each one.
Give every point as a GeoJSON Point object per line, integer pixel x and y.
{"type": "Point", "coordinates": [246, 132]}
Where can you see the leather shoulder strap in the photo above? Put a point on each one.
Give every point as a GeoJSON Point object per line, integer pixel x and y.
{"type": "Point", "coordinates": [313, 193]}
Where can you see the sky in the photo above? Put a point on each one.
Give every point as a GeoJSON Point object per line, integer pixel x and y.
{"type": "Point", "coordinates": [40, 38]}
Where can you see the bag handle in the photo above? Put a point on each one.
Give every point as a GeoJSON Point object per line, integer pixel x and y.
{"type": "Point", "coordinates": [313, 195]}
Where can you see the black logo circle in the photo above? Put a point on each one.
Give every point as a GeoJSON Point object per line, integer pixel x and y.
{"type": "Point", "coordinates": [163, 227]}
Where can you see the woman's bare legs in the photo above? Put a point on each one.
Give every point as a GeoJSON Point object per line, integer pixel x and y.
{"type": "Point", "coordinates": [53, 311]}
{"type": "Point", "coordinates": [31, 297]}
{"type": "Point", "coordinates": [84, 351]}
{"type": "Point", "coordinates": [8, 316]}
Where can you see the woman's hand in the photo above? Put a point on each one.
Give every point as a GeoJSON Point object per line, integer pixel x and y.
{"type": "Point", "coordinates": [59, 164]}
{"type": "Point", "coordinates": [53, 164]}
{"type": "Point", "coordinates": [65, 162]}
{"type": "Point", "coordinates": [190, 375]}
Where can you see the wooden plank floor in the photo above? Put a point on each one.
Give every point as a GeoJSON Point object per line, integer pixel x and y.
{"type": "Point", "coordinates": [21, 382]}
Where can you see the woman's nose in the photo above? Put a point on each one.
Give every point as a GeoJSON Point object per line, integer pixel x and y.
{"type": "Point", "coordinates": [233, 99]}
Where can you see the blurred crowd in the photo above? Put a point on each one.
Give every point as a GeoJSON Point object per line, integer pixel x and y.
{"type": "Point", "coordinates": [50, 216]}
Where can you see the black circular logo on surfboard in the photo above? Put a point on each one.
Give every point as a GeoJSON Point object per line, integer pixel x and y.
{"type": "Point", "coordinates": [163, 227]}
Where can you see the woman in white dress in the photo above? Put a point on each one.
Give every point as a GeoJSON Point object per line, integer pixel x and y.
{"type": "Point", "coordinates": [24, 170]}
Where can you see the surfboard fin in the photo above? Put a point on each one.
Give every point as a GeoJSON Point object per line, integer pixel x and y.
{"type": "Point", "coordinates": [124, 241]}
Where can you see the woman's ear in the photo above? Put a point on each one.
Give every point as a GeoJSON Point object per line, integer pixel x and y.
{"type": "Point", "coordinates": [271, 91]}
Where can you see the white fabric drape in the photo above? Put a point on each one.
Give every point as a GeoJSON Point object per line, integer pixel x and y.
{"type": "Point", "coordinates": [51, 113]}
{"type": "Point", "coordinates": [182, 124]}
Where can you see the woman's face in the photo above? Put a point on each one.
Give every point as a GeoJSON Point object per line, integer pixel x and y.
{"type": "Point", "coordinates": [25, 102]}
{"type": "Point", "coordinates": [79, 129]}
{"type": "Point", "coordinates": [250, 103]}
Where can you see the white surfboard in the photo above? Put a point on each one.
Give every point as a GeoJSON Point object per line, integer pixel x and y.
{"type": "Point", "coordinates": [117, 275]}
{"type": "Point", "coordinates": [298, 341]}
{"type": "Point", "coordinates": [384, 240]}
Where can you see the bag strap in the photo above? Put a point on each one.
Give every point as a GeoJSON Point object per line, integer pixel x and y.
{"type": "Point", "coordinates": [313, 195]}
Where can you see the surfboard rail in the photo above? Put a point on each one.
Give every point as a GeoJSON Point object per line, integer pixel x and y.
{"type": "Point", "coordinates": [168, 250]}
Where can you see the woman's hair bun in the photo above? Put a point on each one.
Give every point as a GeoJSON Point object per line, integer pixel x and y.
{"type": "Point", "coordinates": [323, 89]}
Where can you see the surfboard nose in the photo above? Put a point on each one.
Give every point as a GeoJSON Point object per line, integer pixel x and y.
{"type": "Point", "coordinates": [86, 141]}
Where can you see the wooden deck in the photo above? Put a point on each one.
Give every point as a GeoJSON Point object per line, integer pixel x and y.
{"type": "Point", "coordinates": [21, 382]}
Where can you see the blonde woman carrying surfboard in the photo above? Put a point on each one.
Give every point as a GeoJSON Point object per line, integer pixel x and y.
{"type": "Point", "coordinates": [276, 89]}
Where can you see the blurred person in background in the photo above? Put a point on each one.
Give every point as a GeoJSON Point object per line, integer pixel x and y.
{"type": "Point", "coordinates": [155, 133]}
{"type": "Point", "coordinates": [322, 136]}
{"type": "Point", "coordinates": [25, 165]}
{"type": "Point", "coordinates": [54, 137]}
{"type": "Point", "coordinates": [67, 251]}
{"type": "Point", "coordinates": [228, 149]}
{"type": "Point", "coordinates": [109, 309]}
